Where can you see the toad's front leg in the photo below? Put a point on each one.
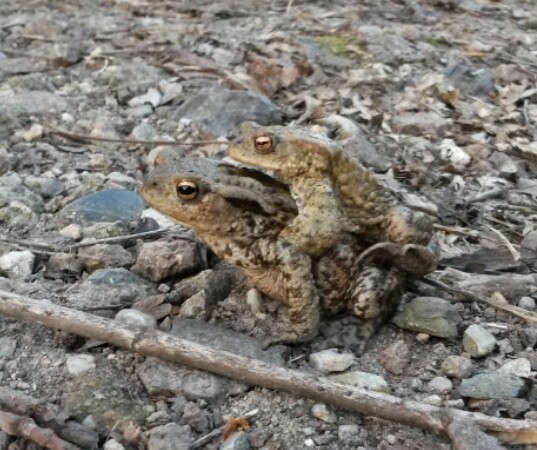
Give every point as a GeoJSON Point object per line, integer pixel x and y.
{"type": "Point", "coordinates": [301, 295]}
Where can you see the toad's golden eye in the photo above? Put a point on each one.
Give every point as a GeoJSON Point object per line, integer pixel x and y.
{"type": "Point", "coordinates": [263, 144]}
{"type": "Point", "coordinates": [187, 190]}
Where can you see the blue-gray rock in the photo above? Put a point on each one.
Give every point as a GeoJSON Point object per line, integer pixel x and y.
{"type": "Point", "coordinates": [493, 385]}
{"type": "Point", "coordinates": [470, 81]}
{"type": "Point", "coordinates": [237, 441]}
{"type": "Point", "coordinates": [457, 367]}
{"type": "Point", "coordinates": [33, 102]}
{"type": "Point", "coordinates": [106, 288]}
{"type": "Point", "coordinates": [220, 111]}
{"type": "Point", "coordinates": [529, 336]}
{"type": "Point", "coordinates": [220, 338]}
{"type": "Point", "coordinates": [466, 435]}
{"type": "Point", "coordinates": [430, 315]}
{"type": "Point", "coordinates": [478, 341]}
{"type": "Point", "coordinates": [105, 206]}
{"type": "Point", "coordinates": [170, 437]}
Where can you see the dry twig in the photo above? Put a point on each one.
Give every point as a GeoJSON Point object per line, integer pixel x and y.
{"type": "Point", "coordinates": [163, 346]}
{"type": "Point", "coordinates": [87, 138]}
{"type": "Point", "coordinates": [528, 316]}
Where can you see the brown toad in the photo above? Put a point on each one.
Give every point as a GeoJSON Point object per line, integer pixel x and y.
{"type": "Point", "coordinates": [334, 194]}
{"type": "Point", "coordinates": [239, 213]}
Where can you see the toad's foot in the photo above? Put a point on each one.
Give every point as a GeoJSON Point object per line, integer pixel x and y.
{"type": "Point", "coordinates": [412, 258]}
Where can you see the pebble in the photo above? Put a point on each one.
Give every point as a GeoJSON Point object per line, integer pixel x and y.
{"type": "Point", "coordinates": [345, 432]}
{"type": "Point", "coordinates": [493, 385]}
{"type": "Point", "coordinates": [106, 287]}
{"type": "Point", "coordinates": [119, 180]}
{"type": "Point", "coordinates": [331, 361]}
{"type": "Point", "coordinates": [73, 231]}
{"type": "Point", "coordinates": [395, 357]}
{"type": "Point", "coordinates": [457, 367]}
{"type": "Point", "coordinates": [112, 444]}
{"type": "Point", "coordinates": [5, 161]}
{"type": "Point", "coordinates": [440, 385]}
{"type": "Point", "coordinates": [17, 264]}
{"type": "Point", "coordinates": [35, 102]}
{"type": "Point", "coordinates": [136, 319]}
{"type": "Point", "coordinates": [322, 412]}
{"type": "Point", "coordinates": [470, 81]}
{"type": "Point", "coordinates": [103, 230]}
{"type": "Point", "coordinates": [105, 206]}
{"type": "Point", "coordinates": [529, 336]}
{"type": "Point", "coordinates": [46, 186]}
{"type": "Point", "coordinates": [199, 419]}
{"type": "Point", "coordinates": [220, 111]}
{"type": "Point", "coordinates": [7, 347]}
{"type": "Point", "coordinates": [79, 364]}
{"type": "Point", "coordinates": [237, 441]}
{"type": "Point", "coordinates": [451, 152]}
{"type": "Point", "coordinates": [466, 435]}
{"type": "Point", "coordinates": [19, 206]}
{"type": "Point", "coordinates": [478, 341]}
{"type": "Point", "coordinates": [62, 264]}
{"type": "Point", "coordinates": [423, 338]}
{"type": "Point", "coordinates": [196, 306]}
{"type": "Point", "coordinates": [105, 255]}
{"type": "Point", "coordinates": [458, 404]}
{"type": "Point", "coordinates": [527, 303]}
{"type": "Point", "coordinates": [362, 380]}
{"type": "Point", "coordinates": [430, 315]}
{"type": "Point", "coordinates": [170, 437]}
{"type": "Point", "coordinates": [254, 299]}
{"type": "Point", "coordinates": [434, 400]}
{"type": "Point", "coordinates": [166, 258]}
{"type": "Point", "coordinates": [216, 284]}
{"type": "Point", "coordinates": [520, 367]}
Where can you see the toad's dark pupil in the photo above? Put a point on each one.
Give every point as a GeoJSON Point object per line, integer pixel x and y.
{"type": "Point", "coordinates": [186, 190]}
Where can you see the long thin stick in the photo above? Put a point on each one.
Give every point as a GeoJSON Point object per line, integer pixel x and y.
{"type": "Point", "coordinates": [88, 138]}
{"type": "Point", "coordinates": [164, 346]}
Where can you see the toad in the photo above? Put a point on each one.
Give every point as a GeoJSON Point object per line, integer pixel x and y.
{"type": "Point", "coordinates": [239, 214]}
{"type": "Point", "coordinates": [334, 194]}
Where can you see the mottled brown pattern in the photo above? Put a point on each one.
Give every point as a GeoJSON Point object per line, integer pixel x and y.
{"type": "Point", "coordinates": [335, 194]}
{"type": "Point", "coordinates": [240, 213]}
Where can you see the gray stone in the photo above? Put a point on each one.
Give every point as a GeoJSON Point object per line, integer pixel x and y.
{"type": "Point", "coordinates": [79, 364]}
{"type": "Point", "coordinates": [169, 380]}
{"type": "Point", "coordinates": [170, 437]}
{"type": "Point", "coordinates": [440, 385]}
{"type": "Point", "coordinates": [388, 48]}
{"type": "Point", "coordinates": [434, 400]}
{"type": "Point", "coordinates": [395, 357]}
{"type": "Point", "coordinates": [430, 315]}
{"type": "Point", "coordinates": [237, 441]}
{"type": "Point", "coordinates": [216, 284]}
{"type": "Point", "coordinates": [527, 303]}
{"type": "Point", "coordinates": [110, 287]}
{"type": "Point", "coordinates": [33, 102]}
{"type": "Point", "coordinates": [62, 264]}
{"type": "Point", "coordinates": [112, 444]}
{"type": "Point", "coordinates": [19, 206]}
{"type": "Point", "coordinates": [220, 111]}
{"type": "Point", "coordinates": [102, 230]}
{"type": "Point", "coordinates": [136, 319]}
{"type": "Point", "coordinates": [5, 159]}
{"type": "Point", "coordinates": [101, 256]}
{"type": "Point", "coordinates": [346, 432]}
{"type": "Point", "coordinates": [7, 347]}
{"type": "Point", "coordinates": [105, 206]}
{"type": "Point", "coordinates": [362, 380]}
{"type": "Point", "coordinates": [420, 123]}
{"type": "Point", "coordinates": [470, 81]}
{"type": "Point", "coordinates": [331, 361]}
{"type": "Point", "coordinates": [529, 336]}
{"type": "Point", "coordinates": [119, 180]}
{"type": "Point", "coordinates": [46, 186]}
{"type": "Point", "coordinates": [457, 367]}
{"type": "Point", "coordinates": [478, 341]}
{"type": "Point", "coordinates": [520, 367]}
{"type": "Point", "coordinates": [254, 300]}
{"type": "Point", "coordinates": [166, 258]}
{"type": "Point", "coordinates": [322, 412]}
{"type": "Point", "coordinates": [17, 264]}
{"type": "Point", "coordinates": [220, 338]}
{"type": "Point", "coordinates": [73, 231]}
{"type": "Point", "coordinates": [466, 435]}
{"type": "Point", "coordinates": [196, 306]}
{"type": "Point", "coordinates": [493, 385]}
{"type": "Point", "coordinates": [199, 419]}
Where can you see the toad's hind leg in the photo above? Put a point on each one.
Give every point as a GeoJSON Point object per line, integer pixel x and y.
{"type": "Point", "coordinates": [372, 299]}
